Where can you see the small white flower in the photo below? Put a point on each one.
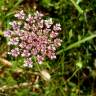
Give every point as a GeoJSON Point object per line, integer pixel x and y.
{"type": "Point", "coordinates": [28, 63]}
{"type": "Point", "coordinates": [20, 15]}
{"type": "Point", "coordinates": [57, 27]}
{"type": "Point", "coordinates": [48, 22]}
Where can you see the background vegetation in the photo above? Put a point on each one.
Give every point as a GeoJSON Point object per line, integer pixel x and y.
{"type": "Point", "coordinates": [73, 73]}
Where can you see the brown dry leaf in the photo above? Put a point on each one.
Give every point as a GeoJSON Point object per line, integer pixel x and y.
{"type": "Point", "coordinates": [45, 75]}
{"type": "Point", "coordinates": [5, 62]}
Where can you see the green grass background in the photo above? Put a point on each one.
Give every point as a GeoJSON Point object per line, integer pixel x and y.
{"type": "Point", "coordinates": [73, 73]}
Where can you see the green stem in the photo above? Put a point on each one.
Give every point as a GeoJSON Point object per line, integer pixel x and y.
{"type": "Point", "coordinates": [77, 43]}
{"type": "Point", "coordinates": [72, 75]}
{"type": "Point", "coordinates": [37, 65]}
{"type": "Point", "coordinates": [77, 7]}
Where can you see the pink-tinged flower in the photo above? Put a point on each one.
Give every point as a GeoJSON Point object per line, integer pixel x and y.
{"type": "Point", "coordinates": [41, 24]}
{"type": "Point", "coordinates": [14, 25]}
{"type": "Point", "coordinates": [34, 44]}
{"type": "Point", "coordinates": [20, 15]}
{"type": "Point", "coordinates": [15, 52]}
{"type": "Point", "coordinates": [24, 37]}
{"type": "Point", "coordinates": [33, 36]}
{"type": "Point", "coordinates": [30, 39]}
{"type": "Point", "coordinates": [27, 26]}
{"type": "Point", "coordinates": [22, 45]}
{"type": "Point", "coordinates": [29, 46]}
{"type": "Point", "coordinates": [20, 33]}
{"type": "Point", "coordinates": [39, 33]}
{"type": "Point", "coordinates": [51, 54]}
{"type": "Point", "coordinates": [43, 49]}
{"type": "Point", "coordinates": [16, 32]}
{"type": "Point", "coordinates": [13, 41]}
{"type": "Point", "coordinates": [40, 59]}
{"type": "Point", "coordinates": [38, 15]}
{"type": "Point", "coordinates": [30, 19]}
{"type": "Point", "coordinates": [25, 53]}
{"type": "Point", "coordinates": [57, 27]}
{"type": "Point", "coordinates": [34, 28]}
{"type": "Point", "coordinates": [7, 33]}
{"type": "Point", "coordinates": [51, 47]}
{"type": "Point", "coordinates": [34, 51]}
{"type": "Point", "coordinates": [43, 39]}
{"type": "Point", "coordinates": [57, 42]}
{"type": "Point", "coordinates": [48, 23]}
{"type": "Point", "coordinates": [53, 34]}
{"type": "Point", "coordinates": [28, 63]}
{"type": "Point", "coordinates": [38, 47]}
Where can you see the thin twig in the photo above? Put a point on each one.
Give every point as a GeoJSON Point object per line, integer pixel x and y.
{"type": "Point", "coordinates": [72, 75]}
{"type": "Point", "coordinates": [26, 84]}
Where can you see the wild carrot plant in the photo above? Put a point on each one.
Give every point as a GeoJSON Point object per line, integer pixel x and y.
{"type": "Point", "coordinates": [32, 36]}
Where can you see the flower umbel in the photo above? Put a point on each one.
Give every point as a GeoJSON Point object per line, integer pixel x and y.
{"type": "Point", "coordinates": [34, 36]}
